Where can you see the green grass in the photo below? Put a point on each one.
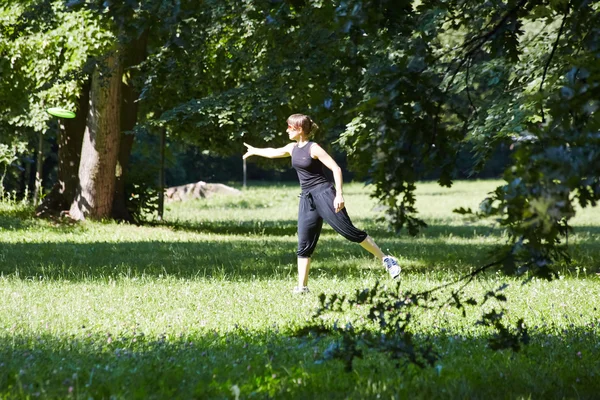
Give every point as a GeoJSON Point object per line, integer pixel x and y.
{"type": "Point", "coordinates": [202, 303]}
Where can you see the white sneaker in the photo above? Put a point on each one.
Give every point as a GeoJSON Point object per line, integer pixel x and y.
{"type": "Point", "coordinates": [392, 266]}
{"type": "Point", "coordinates": [300, 290]}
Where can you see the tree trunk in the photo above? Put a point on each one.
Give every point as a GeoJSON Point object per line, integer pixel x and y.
{"type": "Point", "coordinates": [70, 137]}
{"type": "Point", "coordinates": [135, 54]}
{"type": "Point", "coordinates": [119, 210]}
{"type": "Point", "coordinates": [100, 148]}
{"type": "Point", "coordinates": [161, 175]}
{"type": "Point", "coordinates": [38, 170]}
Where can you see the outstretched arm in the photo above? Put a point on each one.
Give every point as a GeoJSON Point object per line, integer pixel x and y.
{"type": "Point", "coordinates": [318, 152]}
{"type": "Point", "coordinates": [269, 152]}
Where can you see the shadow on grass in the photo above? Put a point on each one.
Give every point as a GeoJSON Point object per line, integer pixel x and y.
{"type": "Point", "coordinates": [273, 365]}
{"type": "Point", "coordinates": [289, 227]}
{"type": "Point", "coordinates": [244, 228]}
{"type": "Point", "coordinates": [249, 257]}
{"type": "Point", "coordinates": [375, 229]}
{"type": "Point", "coordinates": [238, 258]}
{"type": "Point", "coordinates": [258, 249]}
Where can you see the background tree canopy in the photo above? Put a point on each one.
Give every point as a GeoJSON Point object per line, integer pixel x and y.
{"type": "Point", "coordinates": [403, 87]}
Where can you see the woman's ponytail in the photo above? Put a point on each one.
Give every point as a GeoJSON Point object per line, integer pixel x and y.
{"type": "Point", "coordinates": [313, 128]}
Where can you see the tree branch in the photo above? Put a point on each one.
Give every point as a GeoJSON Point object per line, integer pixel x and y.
{"type": "Point", "coordinates": [480, 41]}
{"type": "Point", "coordinates": [554, 46]}
{"type": "Point", "coordinates": [491, 33]}
{"type": "Point", "coordinates": [467, 86]}
{"type": "Point", "coordinates": [469, 277]}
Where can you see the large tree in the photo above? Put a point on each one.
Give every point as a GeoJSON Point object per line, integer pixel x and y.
{"type": "Point", "coordinates": [63, 54]}
{"type": "Point", "coordinates": [51, 52]}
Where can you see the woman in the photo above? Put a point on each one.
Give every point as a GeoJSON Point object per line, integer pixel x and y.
{"type": "Point", "coordinates": [319, 199]}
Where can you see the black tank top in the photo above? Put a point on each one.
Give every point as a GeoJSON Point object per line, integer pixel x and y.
{"type": "Point", "coordinates": [311, 172]}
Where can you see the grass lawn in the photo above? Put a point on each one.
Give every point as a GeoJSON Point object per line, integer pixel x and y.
{"type": "Point", "coordinates": [200, 306]}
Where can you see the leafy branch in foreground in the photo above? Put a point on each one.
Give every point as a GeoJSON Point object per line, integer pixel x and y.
{"type": "Point", "coordinates": [383, 320]}
{"type": "Point", "coordinates": [386, 331]}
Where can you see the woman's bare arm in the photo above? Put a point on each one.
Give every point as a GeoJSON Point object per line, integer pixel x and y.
{"type": "Point", "coordinates": [269, 152]}
{"type": "Point", "coordinates": [317, 152]}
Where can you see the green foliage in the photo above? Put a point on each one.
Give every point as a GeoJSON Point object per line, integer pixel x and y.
{"type": "Point", "coordinates": [142, 201]}
{"type": "Point", "coordinates": [9, 153]}
{"type": "Point", "coordinates": [554, 171]}
{"type": "Point", "coordinates": [513, 69]}
{"type": "Point", "coordinates": [46, 48]}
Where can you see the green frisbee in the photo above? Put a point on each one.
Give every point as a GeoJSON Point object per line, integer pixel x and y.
{"type": "Point", "coordinates": [60, 112]}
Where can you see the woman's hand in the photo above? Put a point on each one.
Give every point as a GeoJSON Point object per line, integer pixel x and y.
{"type": "Point", "coordinates": [250, 151]}
{"type": "Point", "coordinates": [338, 203]}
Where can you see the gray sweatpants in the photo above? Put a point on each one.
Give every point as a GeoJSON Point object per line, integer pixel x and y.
{"type": "Point", "coordinates": [315, 206]}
